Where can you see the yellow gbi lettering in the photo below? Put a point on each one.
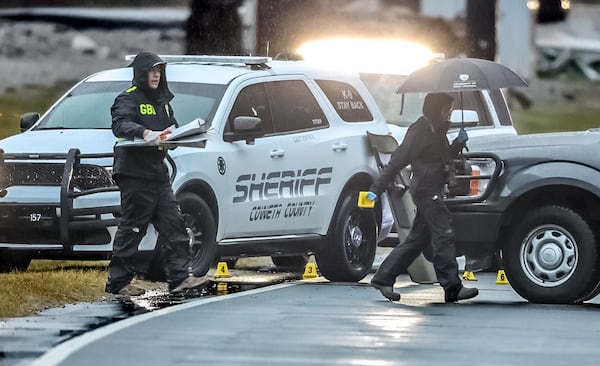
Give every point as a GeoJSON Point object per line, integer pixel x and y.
{"type": "Point", "coordinates": [147, 109]}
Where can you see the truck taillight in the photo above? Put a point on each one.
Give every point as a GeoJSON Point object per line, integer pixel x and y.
{"type": "Point", "coordinates": [474, 184]}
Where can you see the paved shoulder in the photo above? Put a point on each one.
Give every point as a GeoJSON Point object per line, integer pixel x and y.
{"type": "Point", "coordinates": [341, 324]}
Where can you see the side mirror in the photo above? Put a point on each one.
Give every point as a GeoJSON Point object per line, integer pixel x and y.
{"type": "Point", "coordinates": [467, 117]}
{"type": "Point", "coordinates": [28, 120]}
{"type": "Point", "coordinates": [244, 128]}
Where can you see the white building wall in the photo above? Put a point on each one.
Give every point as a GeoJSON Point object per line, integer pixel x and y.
{"type": "Point", "coordinates": [514, 36]}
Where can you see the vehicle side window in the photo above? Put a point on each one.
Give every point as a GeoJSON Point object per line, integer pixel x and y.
{"type": "Point", "coordinates": [252, 102]}
{"type": "Point", "coordinates": [471, 100]}
{"type": "Point", "coordinates": [346, 101]}
{"type": "Point", "coordinates": [501, 107]}
{"type": "Point", "coordinates": [294, 107]}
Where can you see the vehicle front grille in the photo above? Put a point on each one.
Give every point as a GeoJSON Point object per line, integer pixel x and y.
{"type": "Point", "coordinates": [85, 177]}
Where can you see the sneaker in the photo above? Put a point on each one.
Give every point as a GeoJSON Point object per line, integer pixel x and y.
{"type": "Point", "coordinates": [190, 282]}
{"type": "Point", "coordinates": [131, 290]}
{"type": "Point", "coordinates": [464, 294]}
{"type": "Point", "coordinates": [386, 290]}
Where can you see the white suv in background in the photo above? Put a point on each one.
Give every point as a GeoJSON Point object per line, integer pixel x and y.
{"type": "Point", "coordinates": [278, 173]}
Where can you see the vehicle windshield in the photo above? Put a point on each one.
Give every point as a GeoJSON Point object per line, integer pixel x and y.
{"type": "Point", "coordinates": [88, 105]}
{"type": "Point", "coordinates": [403, 113]}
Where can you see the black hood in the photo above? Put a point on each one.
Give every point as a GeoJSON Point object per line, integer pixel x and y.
{"type": "Point", "coordinates": [431, 109]}
{"type": "Point", "coordinates": [143, 62]}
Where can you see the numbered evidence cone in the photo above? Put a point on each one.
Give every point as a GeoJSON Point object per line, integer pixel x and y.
{"type": "Point", "coordinates": [501, 279]}
{"type": "Point", "coordinates": [363, 202]}
{"type": "Point", "coordinates": [310, 271]}
{"type": "Point", "coordinates": [222, 270]}
{"type": "Point", "coordinates": [469, 276]}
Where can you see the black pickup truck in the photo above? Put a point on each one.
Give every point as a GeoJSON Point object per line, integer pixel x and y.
{"type": "Point", "coordinates": [539, 206]}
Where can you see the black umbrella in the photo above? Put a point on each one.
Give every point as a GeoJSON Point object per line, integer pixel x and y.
{"type": "Point", "coordinates": [460, 74]}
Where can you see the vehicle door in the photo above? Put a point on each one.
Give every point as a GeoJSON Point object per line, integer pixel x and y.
{"type": "Point", "coordinates": [280, 181]}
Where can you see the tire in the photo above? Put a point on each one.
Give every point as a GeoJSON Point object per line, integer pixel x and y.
{"type": "Point", "coordinates": [202, 229]}
{"type": "Point", "coordinates": [594, 289]}
{"type": "Point", "coordinates": [551, 256]}
{"type": "Point", "coordinates": [294, 263]}
{"type": "Point", "coordinates": [349, 252]}
{"type": "Point", "coordinates": [14, 262]}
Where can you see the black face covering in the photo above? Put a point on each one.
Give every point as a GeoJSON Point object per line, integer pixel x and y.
{"type": "Point", "coordinates": [432, 106]}
{"type": "Point", "coordinates": [142, 64]}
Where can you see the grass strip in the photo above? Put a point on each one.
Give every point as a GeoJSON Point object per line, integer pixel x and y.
{"type": "Point", "coordinates": [49, 284]}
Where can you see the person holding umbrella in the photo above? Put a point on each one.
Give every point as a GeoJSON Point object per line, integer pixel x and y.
{"type": "Point", "coordinates": [425, 147]}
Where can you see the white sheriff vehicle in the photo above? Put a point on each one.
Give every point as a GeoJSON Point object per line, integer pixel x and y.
{"type": "Point", "coordinates": [277, 174]}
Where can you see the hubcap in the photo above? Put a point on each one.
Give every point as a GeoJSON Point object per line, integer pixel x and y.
{"type": "Point", "coordinates": [356, 236]}
{"type": "Point", "coordinates": [549, 255]}
{"type": "Point", "coordinates": [354, 239]}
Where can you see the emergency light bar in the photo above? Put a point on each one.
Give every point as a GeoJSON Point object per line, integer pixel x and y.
{"type": "Point", "coordinates": [248, 60]}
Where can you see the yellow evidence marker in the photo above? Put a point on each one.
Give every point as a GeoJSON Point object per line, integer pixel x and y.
{"type": "Point", "coordinates": [469, 276]}
{"type": "Point", "coordinates": [222, 270]}
{"type": "Point", "coordinates": [363, 202]}
{"type": "Point", "coordinates": [310, 271]}
{"type": "Point", "coordinates": [501, 279]}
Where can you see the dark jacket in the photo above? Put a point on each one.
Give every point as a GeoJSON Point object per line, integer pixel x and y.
{"type": "Point", "coordinates": [139, 108]}
{"type": "Point", "coordinates": [427, 150]}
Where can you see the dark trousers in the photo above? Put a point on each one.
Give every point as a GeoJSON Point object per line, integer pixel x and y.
{"type": "Point", "coordinates": [143, 202]}
{"type": "Point", "coordinates": [432, 226]}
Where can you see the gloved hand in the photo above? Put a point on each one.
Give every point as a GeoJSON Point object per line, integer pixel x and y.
{"type": "Point", "coordinates": [152, 136]}
{"type": "Point", "coordinates": [371, 196]}
{"type": "Point", "coordinates": [462, 136]}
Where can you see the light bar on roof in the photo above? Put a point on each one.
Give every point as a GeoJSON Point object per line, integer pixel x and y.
{"type": "Point", "coordinates": [248, 60]}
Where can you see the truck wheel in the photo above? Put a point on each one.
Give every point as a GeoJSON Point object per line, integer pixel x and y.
{"type": "Point", "coordinates": [349, 251]}
{"type": "Point", "coordinates": [295, 262]}
{"type": "Point", "coordinates": [10, 262]}
{"type": "Point", "coordinates": [202, 230]}
{"type": "Point", "coordinates": [551, 256]}
{"type": "Point", "coordinates": [594, 289]}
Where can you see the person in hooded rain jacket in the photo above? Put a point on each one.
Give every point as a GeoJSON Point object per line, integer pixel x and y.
{"type": "Point", "coordinates": [425, 147]}
{"type": "Point", "coordinates": [143, 111]}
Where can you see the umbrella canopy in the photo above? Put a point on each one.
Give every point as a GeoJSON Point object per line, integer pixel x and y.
{"type": "Point", "coordinates": [460, 74]}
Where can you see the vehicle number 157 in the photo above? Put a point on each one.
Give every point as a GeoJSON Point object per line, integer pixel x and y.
{"type": "Point", "coordinates": [35, 217]}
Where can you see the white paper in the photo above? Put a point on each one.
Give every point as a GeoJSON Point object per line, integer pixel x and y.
{"type": "Point", "coordinates": [196, 127]}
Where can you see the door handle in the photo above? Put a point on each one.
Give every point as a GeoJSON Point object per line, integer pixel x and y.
{"type": "Point", "coordinates": [339, 146]}
{"type": "Point", "coordinates": [277, 153]}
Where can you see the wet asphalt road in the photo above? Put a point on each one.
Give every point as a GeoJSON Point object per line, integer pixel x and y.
{"type": "Point", "coordinates": [319, 323]}
{"type": "Point", "coordinates": [22, 340]}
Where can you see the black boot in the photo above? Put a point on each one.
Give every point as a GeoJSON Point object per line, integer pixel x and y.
{"type": "Point", "coordinates": [386, 290]}
{"type": "Point", "coordinates": [463, 294]}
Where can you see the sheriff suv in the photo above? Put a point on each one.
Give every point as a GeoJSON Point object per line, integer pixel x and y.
{"type": "Point", "coordinates": [277, 174]}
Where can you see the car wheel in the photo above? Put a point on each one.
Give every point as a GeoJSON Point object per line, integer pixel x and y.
{"type": "Point", "coordinates": [349, 251]}
{"type": "Point", "coordinates": [202, 230]}
{"type": "Point", "coordinates": [594, 288]}
{"type": "Point", "coordinates": [10, 262]}
{"type": "Point", "coordinates": [294, 262]}
{"type": "Point", "coordinates": [551, 256]}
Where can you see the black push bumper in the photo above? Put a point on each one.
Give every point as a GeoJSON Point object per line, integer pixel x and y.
{"type": "Point", "coordinates": [61, 222]}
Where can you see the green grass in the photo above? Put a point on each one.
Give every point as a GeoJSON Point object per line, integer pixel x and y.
{"type": "Point", "coordinates": [48, 284]}
{"type": "Point", "coordinates": [15, 102]}
{"type": "Point", "coordinates": [556, 118]}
